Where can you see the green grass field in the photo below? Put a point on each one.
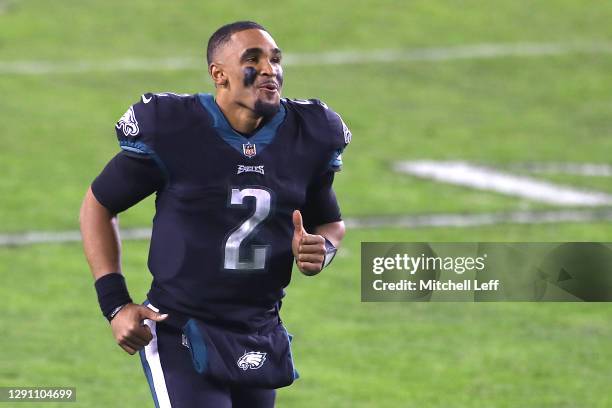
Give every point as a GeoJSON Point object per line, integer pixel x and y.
{"type": "Point", "coordinates": [56, 133]}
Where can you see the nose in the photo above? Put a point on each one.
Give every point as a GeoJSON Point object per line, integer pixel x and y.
{"type": "Point", "coordinates": [266, 68]}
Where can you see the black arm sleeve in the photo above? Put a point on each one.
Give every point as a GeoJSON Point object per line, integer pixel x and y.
{"type": "Point", "coordinates": [321, 205]}
{"type": "Point", "coordinates": [125, 181]}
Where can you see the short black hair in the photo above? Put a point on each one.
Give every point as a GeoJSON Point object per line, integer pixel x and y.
{"type": "Point", "coordinates": [223, 34]}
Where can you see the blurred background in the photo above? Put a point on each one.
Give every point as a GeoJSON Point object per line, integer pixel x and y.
{"type": "Point", "coordinates": [438, 94]}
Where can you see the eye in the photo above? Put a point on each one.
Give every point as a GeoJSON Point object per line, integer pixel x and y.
{"type": "Point", "coordinates": [276, 60]}
{"type": "Point", "coordinates": [251, 59]}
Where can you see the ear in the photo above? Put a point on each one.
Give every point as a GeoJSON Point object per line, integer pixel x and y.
{"type": "Point", "coordinates": [217, 74]}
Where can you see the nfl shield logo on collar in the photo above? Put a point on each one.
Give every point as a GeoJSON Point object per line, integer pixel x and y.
{"type": "Point", "coordinates": [249, 149]}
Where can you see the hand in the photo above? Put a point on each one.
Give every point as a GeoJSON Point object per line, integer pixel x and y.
{"type": "Point", "coordinates": [128, 327]}
{"type": "Point", "coordinates": [308, 249]}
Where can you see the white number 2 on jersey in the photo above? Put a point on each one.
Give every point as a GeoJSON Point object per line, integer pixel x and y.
{"type": "Point", "coordinates": [257, 255]}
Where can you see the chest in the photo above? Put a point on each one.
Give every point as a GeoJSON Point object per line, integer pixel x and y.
{"type": "Point", "coordinates": [206, 170]}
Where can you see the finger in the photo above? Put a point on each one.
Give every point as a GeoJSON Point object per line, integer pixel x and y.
{"type": "Point", "coordinates": [314, 258]}
{"type": "Point", "coordinates": [127, 349]}
{"type": "Point", "coordinates": [309, 267]}
{"type": "Point", "coordinates": [128, 345]}
{"type": "Point", "coordinates": [298, 223]}
{"type": "Point", "coordinates": [312, 249]}
{"type": "Point", "coordinates": [143, 333]}
{"type": "Point", "coordinates": [133, 342]}
{"type": "Point", "coordinates": [313, 239]}
{"type": "Point", "coordinates": [147, 313]}
{"type": "Point", "coordinates": [134, 336]}
{"type": "Point", "coordinates": [137, 336]}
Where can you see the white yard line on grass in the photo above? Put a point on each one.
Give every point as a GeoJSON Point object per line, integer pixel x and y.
{"type": "Point", "coordinates": [575, 169]}
{"type": "Point", "coordinates": [433, 54]}
{"type": "Point", "coordinates": [42, 237]}
{"type": "Point", "coordinates": [391, 221]}
{"type": "Point", "coordinates": [480, 219]}
{"type": "Point", "coordinates": [489, 179]}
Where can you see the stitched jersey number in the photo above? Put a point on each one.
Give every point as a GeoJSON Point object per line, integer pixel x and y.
{"type": "Point", "coordinates": [257, 255]}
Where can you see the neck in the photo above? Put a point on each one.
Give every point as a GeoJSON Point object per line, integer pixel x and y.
{"type": "Point", "coordinates": [241, 118]}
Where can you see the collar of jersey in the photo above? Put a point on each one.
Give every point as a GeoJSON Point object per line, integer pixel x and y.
{"type": "Point", "coordinates": [262, 138]}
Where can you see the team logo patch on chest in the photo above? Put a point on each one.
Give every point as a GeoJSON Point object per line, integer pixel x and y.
{"type": "Point", "coordinates": [251, 360]}
{"type": "Point", "coordinates": [249, 149]}
{"type": "Point", "coordinates": [250, 169]}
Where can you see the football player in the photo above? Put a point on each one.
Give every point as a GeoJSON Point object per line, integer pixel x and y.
{"type": "Point", "coordinates": [243, 183]}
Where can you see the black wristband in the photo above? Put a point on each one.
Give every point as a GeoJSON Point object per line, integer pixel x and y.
{"type": "Point", "coordinates": [112, 293]}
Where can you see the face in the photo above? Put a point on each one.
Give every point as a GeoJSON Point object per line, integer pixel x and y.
{"type": "Point", "coordinates": [249, 68]}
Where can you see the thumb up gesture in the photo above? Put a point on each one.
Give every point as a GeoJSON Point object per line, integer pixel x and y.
{"type": "Point", "coordinates": [308, 249]}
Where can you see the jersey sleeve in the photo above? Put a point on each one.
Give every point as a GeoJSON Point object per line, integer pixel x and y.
{"type": "Point", "coordinates": [136, 172]}
{"type": "Point", "coordinates": [340, 136]}
{"type": "Point", "coordinates": [137, 127]}
{"type": "Point", "coordinates": [125, 181]}
{"type": "Point", "coordinates": [321, 205]}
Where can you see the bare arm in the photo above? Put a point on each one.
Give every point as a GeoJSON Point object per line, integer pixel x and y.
{"type": "Point", "coordinates": [102, 246]}
{"type": "Point", "coordinates": [334, 232]}
{"type": "Point", "coordinates": [100, 232]}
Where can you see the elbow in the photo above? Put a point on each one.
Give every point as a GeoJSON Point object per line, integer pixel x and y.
{"type": "Point", "coordinates": [83, 211]}
{"type": "Point", "coordinates": [341, 231]}
{"type": "Point", "coordinates": [334, 231]}
{"type": "Point", "coordinates": [91, 208]}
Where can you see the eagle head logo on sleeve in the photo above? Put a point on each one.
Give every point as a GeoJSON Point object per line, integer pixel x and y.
{"type": "Point", "coordinates": [128, 123]}
{"type": "Point", "coordinates": [347, 133]}
{"type": "Point", "coordinates": [251, 360]}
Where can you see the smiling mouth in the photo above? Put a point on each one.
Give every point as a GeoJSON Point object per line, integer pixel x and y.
{"type": "Point", "coordinates": [269, 86]}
